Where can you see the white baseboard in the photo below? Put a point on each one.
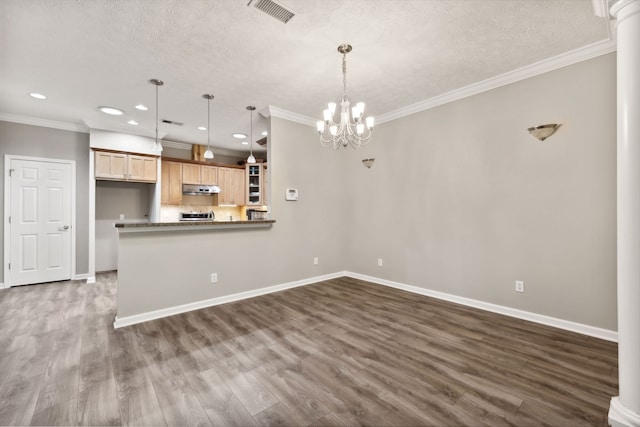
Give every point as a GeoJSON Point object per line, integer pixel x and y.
{"type": "Point", "coordinates": [85, 276]}
{"type": "Point", "coordinates": [580, 328]}
{"type": "Point", "coordinates": [1, 285]}
{"type": "Point", "coordinates": [619, 416]}
{"type": "Point", "coordinates": [170, 311]}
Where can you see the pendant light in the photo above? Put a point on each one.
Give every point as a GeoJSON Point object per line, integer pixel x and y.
{"type": "Point", "coordinates": [208, 154]}
{"type": "Point", "coordinates": [251, 159]}
{"type": "Point", "coordinates": [157, 146]}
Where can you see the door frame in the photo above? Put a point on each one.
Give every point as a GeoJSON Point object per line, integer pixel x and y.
{"type": "Point", "coordinates": [7, 211]}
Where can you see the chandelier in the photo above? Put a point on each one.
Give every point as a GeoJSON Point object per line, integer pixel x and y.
{"type": "Point", "coordinates": [350, 130]}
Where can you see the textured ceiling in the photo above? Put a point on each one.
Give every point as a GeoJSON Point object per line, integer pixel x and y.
{"type": "Point", "coordinates": [87, 53]}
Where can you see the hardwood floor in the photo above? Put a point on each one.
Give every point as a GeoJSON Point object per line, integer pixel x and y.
{"type": "Point", "coordinates": [340, 352]}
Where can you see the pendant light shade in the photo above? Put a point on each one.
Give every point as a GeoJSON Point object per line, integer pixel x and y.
{"type": "Point", "coordinates": [208, 154]}
{"type": "Point", "coordinates": [251, 159]}
{"type": "Point", "coordinates": [157, 146]}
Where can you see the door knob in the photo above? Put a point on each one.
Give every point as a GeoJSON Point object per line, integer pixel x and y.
{"type": "Point", "coordinates": [66, 227]}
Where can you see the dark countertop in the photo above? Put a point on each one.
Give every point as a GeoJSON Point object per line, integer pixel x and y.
{"type": "Point", "coordinates": [192, 225]}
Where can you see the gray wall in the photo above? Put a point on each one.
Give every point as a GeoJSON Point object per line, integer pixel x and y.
{"type": "Point", "coordinates": [162, 269]}
{"type": "Point", "coordinates": [133, 200]}
{"type": "Point", "coordinates": [462, 200]}
{"type": "Point", "coordinates": [35, 141]}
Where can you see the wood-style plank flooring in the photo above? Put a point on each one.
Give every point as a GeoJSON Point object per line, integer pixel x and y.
{"type": "Point", "coordinates": [340, 352]}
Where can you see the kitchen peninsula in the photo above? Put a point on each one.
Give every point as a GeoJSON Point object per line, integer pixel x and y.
{"type": "Point", "coordinates": [168, 268]}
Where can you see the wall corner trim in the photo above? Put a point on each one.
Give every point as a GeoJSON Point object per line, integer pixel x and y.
{"type": "Point", "coordinates": [121, 322]}
{"type": "Point", "coordinates": [567, 325]}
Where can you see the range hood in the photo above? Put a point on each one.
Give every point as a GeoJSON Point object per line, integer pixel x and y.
{"type": "Point", "coordinates": [199, 190]}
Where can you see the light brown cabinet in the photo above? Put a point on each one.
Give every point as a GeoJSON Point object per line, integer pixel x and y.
{"type": "Point", "coordinates": [199, 174]}
{"type": "Point", "coordinates": [125, 167]}
{"type": "Point", "coordinates": [254, 188]}
{"type": "Point", "coordinates": [232, 186]}
{"type": "Point", "coordinates": [171, 187]}
{"type": "Point", "coordinates": [209, 175]}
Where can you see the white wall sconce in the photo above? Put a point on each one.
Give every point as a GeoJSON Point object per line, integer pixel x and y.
{"type": "Point", "coordinates": [368, 162]}
{"type": "Point", "coordinates": [543, 132]}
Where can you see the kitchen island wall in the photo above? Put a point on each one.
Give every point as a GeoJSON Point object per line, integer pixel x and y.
{"type": "Point", "coordinates": [248, 260]}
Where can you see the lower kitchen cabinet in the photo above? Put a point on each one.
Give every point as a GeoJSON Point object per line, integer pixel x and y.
{"type": "Point", "coordinates": [171, 186]}
{"type": "Point", "coordinates": [232, 186]}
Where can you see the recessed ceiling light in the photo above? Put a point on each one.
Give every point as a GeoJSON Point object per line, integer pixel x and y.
{"type": "Point", "coordinates": [112, 111]}
{"type": "Point", "coordinates": [133, 122]}
{"type": "Point", "coordinates": [141, 107]}
{"type": "Point", "coordinates": [239, 135]}
{"type": "Point", "coordinates": [265, 133]}
{"type": "Point", "coordinates": [202, 128]}
{"type": "Point", "coordinates": [245, 143]}
{"type": "Point", "coordinates": [37, 95]}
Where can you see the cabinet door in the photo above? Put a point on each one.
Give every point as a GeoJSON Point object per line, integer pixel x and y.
{"type": "Point", "coordinates": [265, 183]}
{"type": "Point", "coordinates": [190, 173]}
{"type": "Point", "coordinates": [209, 175]}
{"type": "Point", "coordinates": [254, 184]}
{"type": "Point", "coordinates": [239, 188]}
{"type": "Point", "coordinates": [171, 186]}
{"type": "Point", "coordinates": [111, 166]}
{"type": "Point", "coordinates": [142, 168]}
{"type": "Point", "coordinates": [232, 189]}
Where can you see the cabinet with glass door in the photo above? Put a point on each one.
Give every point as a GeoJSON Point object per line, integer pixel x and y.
{"type": "Point", "coordinates": [254, 184]}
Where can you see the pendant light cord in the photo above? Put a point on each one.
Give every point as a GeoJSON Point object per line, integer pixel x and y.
{"type": "Point", "coordinates": [156, 115]}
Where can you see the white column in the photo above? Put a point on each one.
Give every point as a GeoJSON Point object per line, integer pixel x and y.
{"type": "Point", "coordinates": [625, 408]}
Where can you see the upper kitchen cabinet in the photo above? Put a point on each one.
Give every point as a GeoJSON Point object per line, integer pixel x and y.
{"type": "Point", "coordinates": [171, 188]}
{"type": "Point", "coordinates": [232, 186]}
{"type": "Point", "coordinates": [209, 175]}
{"type": "Point", "coordinates": [125, 167]}
{"type": "Point", "coordinates": [199, 174]}
{"type": "Point", "coordinates": [254, 190]}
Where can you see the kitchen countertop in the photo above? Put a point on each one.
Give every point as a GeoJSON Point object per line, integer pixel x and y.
{"type": "Point", "coordinates": [124, 227]}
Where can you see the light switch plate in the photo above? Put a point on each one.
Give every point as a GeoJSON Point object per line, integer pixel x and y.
{"type": "Point", "coordinates": [291, 194]}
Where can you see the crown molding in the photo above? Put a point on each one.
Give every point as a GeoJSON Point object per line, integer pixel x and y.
{"type": "Point", "coordinates": [569, 58]}
{"type": "Point", "coordinates": [25, 120]}
{"type": "Point", "coordinates": [287, 115]}
{"type": "Point", "coordinates": [563, 60]}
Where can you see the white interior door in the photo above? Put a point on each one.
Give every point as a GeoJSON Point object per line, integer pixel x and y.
{"type": "Point", "coordinates": [40, 215]}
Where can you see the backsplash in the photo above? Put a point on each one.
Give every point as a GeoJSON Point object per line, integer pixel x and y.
{"type": "Point", "coordinates": [170, 213]}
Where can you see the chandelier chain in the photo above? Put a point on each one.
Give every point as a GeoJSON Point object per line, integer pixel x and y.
{"type": "Point", "coordinates": [344, 73]}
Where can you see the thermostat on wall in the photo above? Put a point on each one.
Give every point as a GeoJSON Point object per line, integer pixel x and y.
{"type": "Point", "coordinates": [291, 194]}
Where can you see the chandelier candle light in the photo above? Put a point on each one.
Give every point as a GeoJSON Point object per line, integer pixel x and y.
{"type": "Point", "coordinates": [351, 130]}
{"type": "Point", "coordinates": [208, 154]}
{"type": "Point", "coordinates": [158, 145]}
{"type": "Point", "coordinates": [251, 159]}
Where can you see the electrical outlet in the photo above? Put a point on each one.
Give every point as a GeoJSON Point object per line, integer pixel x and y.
{"type": "Point", "coordinates": [519, 286]}
{"type": "Point", "coordinates": [379, 262]}
{"type": "Point", "coordinates": [315, 261]}
{"type": "Point", "coordinates": [121, 217]}
{"type": "Point", "coordinates": [214, 277]}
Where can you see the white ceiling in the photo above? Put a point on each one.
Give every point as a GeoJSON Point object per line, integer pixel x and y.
{"type": "Point", "coordinates": [87, 53]}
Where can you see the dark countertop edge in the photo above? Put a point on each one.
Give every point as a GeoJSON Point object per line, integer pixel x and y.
{"type": "Point", "coordinates": [191, 225]}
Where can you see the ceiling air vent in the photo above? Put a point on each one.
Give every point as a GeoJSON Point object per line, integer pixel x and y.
{"type": "Point", "coordinates": [273, 9]}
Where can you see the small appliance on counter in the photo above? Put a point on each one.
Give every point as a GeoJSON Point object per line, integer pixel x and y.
{"type": "Point", "coordinates": [197, 216]}
{"type": "Point", "coordinates": [256, 214]}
